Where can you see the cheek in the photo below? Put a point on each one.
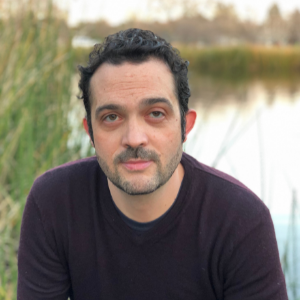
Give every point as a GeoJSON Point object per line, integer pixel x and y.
{"type": "Point", "coordinates": [167, 140]}
{"type": "Point", "coordinates": [105, 147]}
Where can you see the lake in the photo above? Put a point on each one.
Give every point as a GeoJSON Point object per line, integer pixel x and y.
{"type": "Point", "coordinates": [251, 130]}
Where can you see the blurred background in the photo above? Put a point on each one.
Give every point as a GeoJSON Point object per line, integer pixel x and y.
{"type": "Point", "coordinates": [245, 79]}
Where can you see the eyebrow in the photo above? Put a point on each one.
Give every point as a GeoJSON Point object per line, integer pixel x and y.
{"type": "Point", "coordinates": [145, 102]}
{"type": "Point", "coordinates": [99, 109]}
{"type": "Point", "coordinates": [152, 101]}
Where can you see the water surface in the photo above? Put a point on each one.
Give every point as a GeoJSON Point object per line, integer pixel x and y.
{"type": "Point", "coordinates": [252, 132]}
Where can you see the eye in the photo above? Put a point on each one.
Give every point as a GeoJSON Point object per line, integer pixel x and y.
{"type": "Point", "coordinates": [156, 114]}
{"type": "Point", "coordinates": [111, 118]}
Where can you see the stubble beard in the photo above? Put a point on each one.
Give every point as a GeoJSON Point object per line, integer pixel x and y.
{"type": "Point", "coordinates": [143, 187]}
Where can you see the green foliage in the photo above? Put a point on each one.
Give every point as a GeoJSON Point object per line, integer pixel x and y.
{"type": "Point", "coordinates": [81, 55]}
{"type": "Point", "coordinates": [36, 66]}
{"type": "Point", "coordinates": [244, 62]}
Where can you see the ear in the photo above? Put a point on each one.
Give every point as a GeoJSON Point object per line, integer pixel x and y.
{"type": "Point", "coordinates": [190, 119]}
{"type": "Point", "coordinates": [86, 128]}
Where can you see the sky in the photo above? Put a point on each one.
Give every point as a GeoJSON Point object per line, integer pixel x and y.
{"type": "Point", "coordinates": [118, 11]}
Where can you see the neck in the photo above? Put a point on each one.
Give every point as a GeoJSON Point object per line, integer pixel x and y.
{"type": "Point", "coordinates": [146, 208]}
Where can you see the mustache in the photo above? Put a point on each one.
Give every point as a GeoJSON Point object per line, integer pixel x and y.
{"type": "Point", "coordinates": [135, 153]}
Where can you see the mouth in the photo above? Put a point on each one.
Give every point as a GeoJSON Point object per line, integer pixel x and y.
{"type": "Point", "coordinates": [137, 165]}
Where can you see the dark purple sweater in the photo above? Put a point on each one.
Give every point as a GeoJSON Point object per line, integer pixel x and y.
{"type": "Point", "coordinates": [216, 242]}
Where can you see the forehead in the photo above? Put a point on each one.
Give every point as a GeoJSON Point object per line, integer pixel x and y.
{"type": "Point", "coordinates": [131, 81]}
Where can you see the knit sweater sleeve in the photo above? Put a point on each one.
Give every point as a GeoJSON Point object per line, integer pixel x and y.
{"type": "Point", "coordinates": [253, 270]}
{"type": "Point", "coordinates": [41, 273]}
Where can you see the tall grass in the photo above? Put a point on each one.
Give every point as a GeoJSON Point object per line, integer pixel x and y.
{"type": "Point", "coordinates": [35, 73]}
{"type": "Point", "coordinates": [242, 62]}
{"type": "Point", "coordinates": [290, 257]}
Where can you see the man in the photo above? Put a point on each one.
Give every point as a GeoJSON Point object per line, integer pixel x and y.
{"type": "Point", "coordinates": [142, 220]}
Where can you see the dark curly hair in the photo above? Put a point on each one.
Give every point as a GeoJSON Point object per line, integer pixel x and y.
{"type": "Point", "coordinates": [136, 46]}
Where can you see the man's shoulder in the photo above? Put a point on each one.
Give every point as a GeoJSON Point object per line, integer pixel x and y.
{"type": "Point", "coordinates": [200, 169]}
{"type": "Point", "coordinates": [73, 169]}
{"type": "Point", "coordinates": [221, 190]}
{"type": "Point", "coordinates": [72, 174]}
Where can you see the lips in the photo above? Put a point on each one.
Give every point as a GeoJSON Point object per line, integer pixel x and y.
{"type": "Point", "coordinates": [136, 165]}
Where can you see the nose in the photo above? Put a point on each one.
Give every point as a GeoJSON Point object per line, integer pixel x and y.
{"type": "Point", "coordinates": [134, 135]}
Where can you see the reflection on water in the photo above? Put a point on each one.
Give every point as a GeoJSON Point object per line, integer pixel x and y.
{"type": "Point", "coordinates": [254, 136]}
{"type": "Point", "coordinates": [252, 132]}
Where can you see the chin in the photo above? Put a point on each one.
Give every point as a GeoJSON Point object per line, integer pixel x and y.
{"type": "Point", "coordinates": [137, 189]}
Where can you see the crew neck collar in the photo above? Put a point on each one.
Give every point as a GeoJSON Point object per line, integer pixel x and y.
{"type": "Point", "coordinates": [166, 223]}
{"type": "Point", "coordinates": [142, 227]}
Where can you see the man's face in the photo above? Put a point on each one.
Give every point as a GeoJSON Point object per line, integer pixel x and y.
{"type": "Point", "coordinates": [136, 124]}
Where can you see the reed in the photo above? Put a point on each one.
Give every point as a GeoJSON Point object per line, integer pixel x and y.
{"type": "Point", "coordinates": [36, 66]}
{"type": "Point", "coordinates": [242, 62]}
{"type": "Point", "coordinates": [290, 257]}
